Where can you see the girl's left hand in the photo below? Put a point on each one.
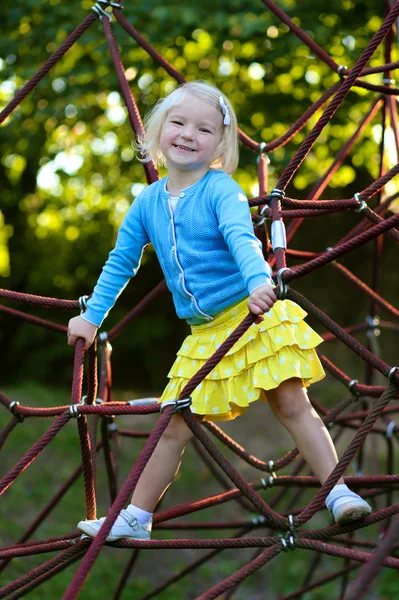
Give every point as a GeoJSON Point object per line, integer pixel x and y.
{"type": "Point", "coordinates": [262, 299]}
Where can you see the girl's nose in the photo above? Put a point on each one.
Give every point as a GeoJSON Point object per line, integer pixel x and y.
{"type": "Point", "coordinates": [188, 133]}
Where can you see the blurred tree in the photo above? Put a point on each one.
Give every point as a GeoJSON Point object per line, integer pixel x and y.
{"type": "Point", "coordinates": [68, 172]}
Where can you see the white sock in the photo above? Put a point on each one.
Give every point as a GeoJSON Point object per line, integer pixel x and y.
{"type": "Point", "coordinates": [338, 490]}
{"type": "Point", "coordinates": [141, 515]}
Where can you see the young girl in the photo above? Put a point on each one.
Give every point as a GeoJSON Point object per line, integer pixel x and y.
{"type": "Point", "coordinates": [198, 220]}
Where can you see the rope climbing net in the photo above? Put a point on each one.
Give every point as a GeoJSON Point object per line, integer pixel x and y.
{"type": "Point", "coordinates": [284, 527]}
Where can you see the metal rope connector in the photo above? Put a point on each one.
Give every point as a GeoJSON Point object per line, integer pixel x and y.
{"type": "Point", "coordinates": [387, 81]}
{"type": "Point", "coordinates": [98, 401]}
{"type": "Point", "coordinates": [260, 218]}
{"type": "Point", "coordinates": [74, 408]}
{"type": "Point", "coordinates": [390, 429]}
{"type": "Point", "coordinates": [269, 481]}
{"type": "Point", "coordinates": [373, 323]}
{"type": "Point", "coordinates": [103, 340]}
{"type": "Point", "coordinates": [282, 286]}
{"type": "Point", "coordinates": [112, 427]}
{"type": "Point", "coordinates": [110, 3]}
{"type": "Point", "coordinates": [263, 152]}
{"type": "Point", "coordinates": [100, 11]}
{"type": "Point", "coordinates": [258, 520]}
{"type": "Point", "coordinates": [340, 71]}
{"type": "Point", "coordinates": [12, 406]}
{"type": "Point", "coordinates": [351, 386]}
{"type": "Point", "coordinates": [74, 411]}
{"type": "Point", "coordinates": [288, 543]}
{"type": "Point", "coordinates": [279, 239]}
{"type": "Point", "coordinates": [83, 304]}
{"type": "Point", "coordinates": [391, 373]}
{"type": "Point", "coordinates": [362, 203]}
{"type": "Point", "coordinates": [142, 401]}
{"type": "Point", "coordinates": [178, 404]}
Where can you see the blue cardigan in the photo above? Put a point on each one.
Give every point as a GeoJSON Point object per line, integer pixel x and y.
{"type": "Point", "coordinates": [207, 249]}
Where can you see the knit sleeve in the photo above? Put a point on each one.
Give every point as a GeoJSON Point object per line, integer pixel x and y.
{"type": "Point", "coordinates": [122, 264]}
{"type": "Point", "coordinates": [235, 224]}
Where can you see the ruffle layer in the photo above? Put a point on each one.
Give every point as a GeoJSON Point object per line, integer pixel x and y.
{"type": "Point", "coordinates": [277, 349]}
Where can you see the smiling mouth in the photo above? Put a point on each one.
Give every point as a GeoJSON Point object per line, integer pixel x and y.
{"type": "Point", "coordinates": [185, 148]}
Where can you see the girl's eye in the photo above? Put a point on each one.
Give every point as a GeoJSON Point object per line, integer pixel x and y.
{"type": "Point", "coordinates": [205, 130]}
{"type": "Point", "coordinates": [177, 122]}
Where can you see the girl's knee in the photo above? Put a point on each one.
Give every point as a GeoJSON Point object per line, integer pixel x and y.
{"type": "Point", "coordinates": [289, 399]}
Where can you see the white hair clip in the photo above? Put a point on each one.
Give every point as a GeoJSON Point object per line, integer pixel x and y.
{"type": "Point", "coordinates": [225, 110]}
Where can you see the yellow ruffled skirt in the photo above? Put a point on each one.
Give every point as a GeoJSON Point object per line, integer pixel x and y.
{"type": "Point", "coordinates": [277, 349]}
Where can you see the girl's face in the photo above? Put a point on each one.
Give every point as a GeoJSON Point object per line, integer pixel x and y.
{"type": "Point", "coordinates": [190, 135]}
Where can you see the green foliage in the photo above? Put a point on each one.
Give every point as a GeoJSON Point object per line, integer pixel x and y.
{"type": "Point", "coordinates": [68, 172]}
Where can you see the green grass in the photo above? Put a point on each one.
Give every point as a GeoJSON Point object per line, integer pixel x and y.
{"type": "Point", "coordinates": [27, 496]}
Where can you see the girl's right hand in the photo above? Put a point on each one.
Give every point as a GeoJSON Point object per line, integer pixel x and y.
{"type": "Point", "coordinates": [79, 328]}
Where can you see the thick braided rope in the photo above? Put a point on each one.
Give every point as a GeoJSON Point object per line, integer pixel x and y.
{"type": "Point", "coordinates": [89, 485]}
{"type": "Point", "coordinates": [341, 249]}
{"type": "Point", "coordinates": [27, 459]}
{"type": "Point", "coordinates": [241, 574]}
{"type": "Point", "coordinates": [350, 452]}
{"type": "Point", "coordinates": [54, 562]}
{"type": "Point", "coordinates": [54, 58]}
{"type": "Point", "coordinates": [13, 422]}
{"type": "Point", "coordinates": [301, 154]}
{"type": "Point", "coordinates": [273, 518]}
{"type": "Point", "coordinates": [33, 320]}
{"type": "Point", "coordinates": [133, 112]}
{"type": "Point", "coordinates": [119, 503]}
{"type": "Point", "coordinates": [367, 573]}
{"type": "Point", "coordinates": [39, 300]}
{"type": "Point", "coordinates": [66, 562]}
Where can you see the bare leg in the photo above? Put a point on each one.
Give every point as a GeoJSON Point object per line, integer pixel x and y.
{"type": "Point", "coordinates": [163, 465]}
{"type": "Point", "coordinates": [291, 405]}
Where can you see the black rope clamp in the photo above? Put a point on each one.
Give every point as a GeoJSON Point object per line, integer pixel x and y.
{"type": "Point", "coordinates": [387, 81]}
{"type": "Point", "coordinates": [362, 203]}
{"type": "Point", "coordinates": [341, 70]}
{"type": "Point", "coordinates": [178, 404]}
{"type": "Point", "coordinates": [83, 304]}
{"type": "Point", "coordinates": [282, 286]}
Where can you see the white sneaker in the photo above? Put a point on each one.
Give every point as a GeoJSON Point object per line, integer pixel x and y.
{"type": "Point", "coordinates": [125, 526]}
{"type": "Point", "coordinates": [347, 507]}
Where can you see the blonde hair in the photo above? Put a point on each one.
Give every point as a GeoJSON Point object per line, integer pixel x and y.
{"type": "Point", "coordinates": [226, 154]}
